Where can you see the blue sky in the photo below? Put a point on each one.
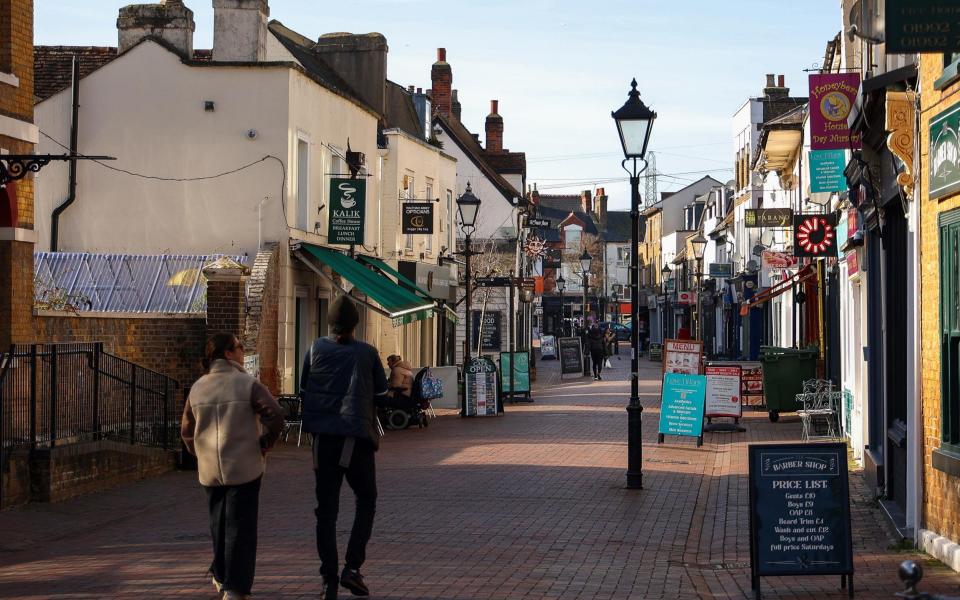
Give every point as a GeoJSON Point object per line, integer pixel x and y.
{"type": "Point", "coordinates": [559, 67]}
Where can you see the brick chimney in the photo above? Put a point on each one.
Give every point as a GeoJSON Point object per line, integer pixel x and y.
{"type": "Point", "coordinates": [600, 205]}
{"type": "Point", "coordinates": [360, 59]}
{"type": "Point", "coordinates": [240, 30]}
{"type": "Point", "coordinates": [169, 20]}
{"type": "Point", "coordinates": [776, 87]}
{"type": "Point", "coordinates": [455, 105]}
{"type": "Point", "coordinates": [494, 128]}
{"type": "Point", "coordinates": [441, 76]}
{"type": "Point", "coordinates": [586, 203]}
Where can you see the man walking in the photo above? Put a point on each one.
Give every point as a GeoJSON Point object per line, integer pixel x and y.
{"type": "Point", "coordinates": [341, 376]}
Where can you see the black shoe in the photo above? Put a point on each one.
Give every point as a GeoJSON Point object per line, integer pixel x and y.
{"type": "Point", "coordinates": [353, 581]}
{"type": "Point", "coordinates": [329, 590]}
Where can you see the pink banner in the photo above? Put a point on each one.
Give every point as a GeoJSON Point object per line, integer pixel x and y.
{"type": "Point", "coordinates": [832, 95]}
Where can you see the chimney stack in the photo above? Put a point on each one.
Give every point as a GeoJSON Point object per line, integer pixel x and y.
{"type": "Point", "coordinates": [441, 77]}
{"type": "Point", "coordinates": [776, 88]}
{"type": "Point", "coordinates": [780, 81]}
{"type": "Point", "coordinates": [170, 21]}
{"type": "Point", "coordinates": [360, 59]}
{"type": "Point", "coordinates": [240, 30]}
{"type": "Point", "coordinates": [586, 203]}
{"type": "Point", "coordinates": [494, 128]}
{"type": "Point", "coordinates": [455, 105]}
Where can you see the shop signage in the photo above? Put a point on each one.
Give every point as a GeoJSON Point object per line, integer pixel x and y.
{"type": "Point", "coordinates": [521, 373]}
{"type": "Point", "coordinates": [417, 218]}
{"type": "Point", "coordinates": [832, 95]}
{"type": "Point", "coordinates": [945, 152]}
{"type": "Point", "coordinates": [771, 259]}
{"type": "Point", "coordinates": [669, 285]}
{"type": "Point", "coordinates": [488, 332]}
{"type": "Point", "coordinates": [922, 26]}
{"type": "Point", "coordinates": [799, 512]}
{"type": "Point", "coordinates": [685, 298]}
{"type": "Point", "coordinates": [552, 257]}
{"type": "Point", "coordinates": [681, 406]}
{"type": "Point", "coordinates": [493, 282]}
{"type": "Point", "coordinates": [436, 280]}
{"type": "Point", "coordinates": [682, 356]}
{"type": "Point", "coordinates": [656, 351]}
{"type": "Point", "coordinates": [768, 217]}
{"type": "Point", "coordinates": [548, 347]}
{"type": "Point", "coordinates": [853, 222]}
{"type": "Point", "coordinates": [815, 235]}
{"type": "Point", "coordinates": [853, 264]}
{"type": "Point", "coordinates": [721, 270]}
{"type": "Point", "coordinates": [752, 379]}
{"type": "Point", "coordinates": [826, 171]}
{"type": "Point", "coordinates": [538, 222]}
{"type": "Point", "coordinates": [723, 391]}
{"type": "Point", "coordinates": [571, 356]}
{"type": "Point", "coordinates": [347, 207]}
{"type": "Point", "coordinates": [481, 397]}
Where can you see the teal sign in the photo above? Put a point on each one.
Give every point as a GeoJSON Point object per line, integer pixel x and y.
{"type": "Point", "coordinates": [922, 26]}
{"type": "Point", "coordinates": [826, 171]}
{"type": "Point", "coordinates": [521, 372]}
{"type": "Point", "coordinates": [347, 207]}
{"type": "Point", "coordinates": [682, 404]}
{"type": "Point", "coordinates": [945, 153]}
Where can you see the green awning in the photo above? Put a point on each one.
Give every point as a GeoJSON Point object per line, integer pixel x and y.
{"type": "Point", "coordinates": [401, 305]}
{"type": "Point", "coordinates": [386, 269]}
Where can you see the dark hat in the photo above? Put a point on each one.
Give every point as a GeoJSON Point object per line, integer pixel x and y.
{"type": "Point", "coordinates": [342, 316]}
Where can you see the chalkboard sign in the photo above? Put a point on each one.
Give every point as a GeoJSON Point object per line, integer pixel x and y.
{"type": "Point", "coordinates": [799, 512]}
{"type": "Point", "coordinates": [481, 397]}
{"type": "Point", "coordinates": [489, 333]}
{"type": "Point", "coordinates": [571, 356]}
{"type": "Point", "coordinates": [656, 351]}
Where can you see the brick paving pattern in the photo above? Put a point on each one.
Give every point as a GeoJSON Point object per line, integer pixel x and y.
{"type": "Point", "coordinates": [527, 505]}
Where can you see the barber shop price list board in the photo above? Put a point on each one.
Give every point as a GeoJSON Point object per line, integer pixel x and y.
{"type": "Point", "coordinates": [481, 389]}
{"type": "Point", "coordinates": [800, 512]}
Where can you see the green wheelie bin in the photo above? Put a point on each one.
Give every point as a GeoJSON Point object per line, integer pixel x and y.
{"type": "Point", "coordinates": [784, 371]}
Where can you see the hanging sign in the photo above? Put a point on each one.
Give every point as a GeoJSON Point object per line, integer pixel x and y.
{"type": "Point", "coordinates": [417, 218]}
{"type": "Point", "coordinates": [723, 391]}
{"type": "Point", "coordinates": [721, 270]}
{"type": "Point", "coordinates": [480, 390]}
{"type": "Point", "coordinates": [832, 95]}
{"type": "Point", "coordinates": [922, 26]}
{"type": "Point", "coordinates": [538, 222]}
{"type": "Point", "coordinates": [853, 266]}
{"type": "Point", "coordinates": [548, 347]}
{"type": "Point", "coordinates": [815, 235]}
{"type": "Point", "coordinates": [571, 356]}
{"type": "Point", "coordinates": [945, 152]}
{"type": "Point", "coordinates": [799, 512]}
{"type": "Point", "coordinates": [826, 171]}
{"type": "Point", "coordinates": [682, 356]}
{"type": "Point", "coordinates": [681, 406]}
{"type": "Point", "coordinates": [347, 206]}
{"type": "Point", "coordinates": [771, 259]}
{"type": "Point", "coordinates": [685, 298]}
{"type": "Point", "coordinates": [487, 331]}
{"type": "Point", "coordinates": [768, 217]}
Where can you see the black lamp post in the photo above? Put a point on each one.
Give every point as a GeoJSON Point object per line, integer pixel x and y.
{"type": "Point", "coordinates": [634, 123]}
{"type": "Point", "coordinates": [562, 285]}
{"type": "Point", "coordinates": [468, 206]}
{"type": "Point", "coordinates": [665, 273]}
{"type": "Point", "coordinates": [699, 244]}
{"type": "Point", "coordinates": [585, 260]}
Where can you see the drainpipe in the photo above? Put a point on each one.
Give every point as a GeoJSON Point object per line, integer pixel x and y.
{"type": "Point", "coordinates": [72, 195]}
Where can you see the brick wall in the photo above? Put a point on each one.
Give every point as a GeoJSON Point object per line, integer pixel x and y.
{"type": "Point", "coordinates": [16, 58]}
{"type": "Point", "coordinates": [262, 319]}
{"type": "Point", "coordinates": [16, 292]}
{"type": "Point", "coordinates": [941, 493]}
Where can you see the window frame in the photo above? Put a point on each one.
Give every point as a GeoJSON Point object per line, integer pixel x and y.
{"type": "Point", "coordinates": [949, 331]}
{"type": "Point", "coordinates": [951, 71]}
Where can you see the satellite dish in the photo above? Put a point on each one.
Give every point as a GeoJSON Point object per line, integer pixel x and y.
{"type": "Point", "coordinates": [758, 250]}
{"type": "Point", "coordinates": [766, 238]}
{"type": "Point", "coordinates": [757, 179]}
{"type": "Point", "coordinates": [752, 266]}
{"type": "Point", "coordinates": [865, 23]}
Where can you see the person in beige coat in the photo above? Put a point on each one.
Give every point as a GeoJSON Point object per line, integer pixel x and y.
{"type": "Point", "coordinates": [229, 422]}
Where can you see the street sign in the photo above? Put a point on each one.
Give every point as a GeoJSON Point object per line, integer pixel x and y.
{"type": "Point", "coordinates": [493, 282]}
{"type": "Point", "coordinates": [800, 512]}
{"type": "Point", "coordinates": [922, 26]}
{"type": "Point", "coordinates": [538, 222]}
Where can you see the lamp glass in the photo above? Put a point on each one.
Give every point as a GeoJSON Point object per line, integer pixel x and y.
{"type": "Point", "coordinates": [634, 123]}
{"type": "Point", "coordinates": [561, 284]}
{"type": "Point", "coordinates": [468, 206]}
{"type": "Point", "coordinates": [699, 244]}
{"type": "Point", "coordinates": [585, 260]}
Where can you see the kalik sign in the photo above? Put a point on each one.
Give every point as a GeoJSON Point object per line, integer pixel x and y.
{"type": "Point", "coordinates": [347, 208]}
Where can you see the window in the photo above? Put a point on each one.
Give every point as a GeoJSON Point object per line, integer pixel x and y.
{"type": "Point", "coordinates": [450, 216]}
{"type": "Point", "coordinates": [303, 185]}
{"type": "Point", "coordinates": [571, 237]}
{"type": "Point", "coordinates": [408, 193]}
{"type": "Point", "coordinates": [951, 71]}
{"type": "Point", "coordinates": [950, 330]}
{"type": "Point", "coordinates": [428, 245]}
{"type": "Point", "coordinates": [623, 256]}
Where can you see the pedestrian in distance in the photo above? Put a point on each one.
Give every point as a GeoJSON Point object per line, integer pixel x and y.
{"type": "Point", "coordinates": [229, 422]}
{"type": "Point", "coordinates": [400, 382]}
{"type": "Point", "coordinates": [610, 338]}
{"type": "Point", "coordinates": [598, 350]}
{"type": "Point", "coordinates": [342, 380]}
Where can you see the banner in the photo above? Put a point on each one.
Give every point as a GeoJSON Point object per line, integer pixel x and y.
{"type": "Point", "coordinates": [826, 171]}
{"type": "Point", "coordinates": [832, 95]}
{"type": "Point", "coordinates": [347, 207]}
{"type": "Point", "coordinates": [417, 218]}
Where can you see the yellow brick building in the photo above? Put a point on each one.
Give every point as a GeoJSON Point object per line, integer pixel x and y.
{"type": "Point", "coordinates": [939, 195]}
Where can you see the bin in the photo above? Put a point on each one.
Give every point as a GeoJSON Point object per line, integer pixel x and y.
{"type": "Point", "coordinates": [784, 371]}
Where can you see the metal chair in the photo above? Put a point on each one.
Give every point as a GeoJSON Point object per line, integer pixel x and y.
{"type": "Point", "coordinates": [820, 407]}
{"type": "Point", "coordinates": [292, 406]}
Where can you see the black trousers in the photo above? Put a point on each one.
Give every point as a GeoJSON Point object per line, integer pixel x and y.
{"type": "Point", "coordinates": [233, 527]}
{"type": "Point", "coordinates": [362, 477]}
{"type": "Point", "coordinates": [597, 359]}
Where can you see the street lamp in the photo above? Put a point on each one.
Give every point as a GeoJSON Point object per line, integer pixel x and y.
{"type": "Point", "coordinates": [699, 244]}
{"type": "Point", "coordinates": [585, 260]}
{"type": "Point", "coordinates": [634, 124]}
{"type": "Point", "coordinates": [562, 285]}
{"type": "Point", "coordinates": [468, 206]}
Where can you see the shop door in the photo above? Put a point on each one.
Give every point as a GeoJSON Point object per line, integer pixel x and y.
{"type": "Point", "coordinates": [876, 434]}
{"type": "Point", "coordinates": [895, 288]}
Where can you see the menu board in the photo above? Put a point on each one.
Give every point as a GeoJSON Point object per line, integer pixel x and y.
{"type": "Point", "coordinates": [489, 332]}
{"type": "Point", "coordinates": [799, 511]}
{"type": "Point", "coordinates": [723, 391]}
{"type": "Point", "coordinates": [571, 356]}
{"type": "Point", "coordinates": [682, 356]}
{"type": "Point", "coordinates": [521, 372]}
{"type": "Point", "coordinates": [681, 406]}
{"type": "Point", "coordinates": [548, 347]}
{"type": "Point", "coordinates": [656, 351]}
{"type": "Point", "coordinates": [751, 381]}
{"type": "Point", "coordinates": [481, 389]}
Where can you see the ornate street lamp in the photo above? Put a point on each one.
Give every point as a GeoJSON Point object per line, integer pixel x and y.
{"type": "Point", "coordinates": [699, 244]}
{"type": "Point", "coordinates": [634, 124]}
{"type": "Point", "coordinates": [562, 285]}
{"type": "Point", "coordinates": [468, 206]}
{"type": "Point", "coordinates": [585, 260]}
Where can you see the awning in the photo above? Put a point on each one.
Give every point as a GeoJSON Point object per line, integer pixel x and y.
{"type": "Point", "coordinates": [401, 305]}
{"type": "Point", "coordinates": [808, 272]}
{"type": "Point", "coordinates": [386, 270]}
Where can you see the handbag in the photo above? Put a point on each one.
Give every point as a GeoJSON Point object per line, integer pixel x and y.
{"type": "Point", "coordinates": [431, 386]}
{"type": "Point", "coordinates": [607, 364]}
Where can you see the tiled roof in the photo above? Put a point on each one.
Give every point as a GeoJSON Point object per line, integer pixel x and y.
{"type": "Point", "coordinates": [586, 219]}
{"type": "Point", "coordinates": [53, 66]}
{"type": "Point", "coordinates": [469, 144]}
{"type": "Point", "coordinates": [401, 112]}
{"type": "Point", "coordinates": [564, 202]}
{"type": "Point", "coordinates": [618, 228]}
{"type": "Point", "coordinates": [511, 163]}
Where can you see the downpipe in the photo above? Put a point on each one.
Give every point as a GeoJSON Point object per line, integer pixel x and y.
{"type": "Point", "coordinates": [72, 193]}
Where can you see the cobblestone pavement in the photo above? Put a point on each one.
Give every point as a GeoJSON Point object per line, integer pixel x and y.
{"type": "Point", "coordinates": [527, 505]}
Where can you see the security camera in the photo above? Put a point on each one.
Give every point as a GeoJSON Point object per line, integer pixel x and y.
{"type": "Point", "coordinates": [252, 134]}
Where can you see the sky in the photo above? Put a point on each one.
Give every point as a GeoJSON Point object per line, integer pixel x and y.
{"type": "Point", "coordinates": [559, 67]}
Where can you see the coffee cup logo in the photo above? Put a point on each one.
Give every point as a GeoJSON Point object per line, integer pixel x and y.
{"type": "Point", "coordinates": [347, 200]}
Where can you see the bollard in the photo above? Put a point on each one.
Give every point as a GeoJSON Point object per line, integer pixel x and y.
{"type": "Point", "coordinates": [911, 573]}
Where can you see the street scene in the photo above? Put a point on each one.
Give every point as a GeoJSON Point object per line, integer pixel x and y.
{"type": "Point", "coordinates": [534, 300]}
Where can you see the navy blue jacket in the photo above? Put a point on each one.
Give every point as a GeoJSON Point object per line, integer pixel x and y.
{"type": "Point", "coordinates": [338, 383]}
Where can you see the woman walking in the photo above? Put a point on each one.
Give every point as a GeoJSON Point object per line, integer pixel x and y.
{"type": "Point", "coordinates": [598, 350]}
{"type": "Point", "coordinates": [229, 422]}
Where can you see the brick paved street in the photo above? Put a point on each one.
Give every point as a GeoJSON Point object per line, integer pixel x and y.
{"type": "Point", "coordinates": [528, 505]}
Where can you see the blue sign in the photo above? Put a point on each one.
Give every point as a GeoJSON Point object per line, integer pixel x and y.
{"type": "Point", "coordinates": [682, 403]}
{"type": "Point", "coordinates": [826, 170]}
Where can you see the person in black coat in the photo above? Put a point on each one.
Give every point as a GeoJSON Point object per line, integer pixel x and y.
{"type": "Point", "coordinates": [598, 349]}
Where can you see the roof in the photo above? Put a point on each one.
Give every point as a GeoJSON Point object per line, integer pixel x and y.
{"type": "Point", "coordinates": [780, 140]}
{"type": "Point", "coordinates": [618, 227]}
{"type": "Point", "coordinates": [401, 112]}
{"type": "Point", "coordinates": [511, 163]}
{"type": "Point", "coordinates": [556, 216]}
{"type": "Point", "coordinates": [462, 137]}
{"type": "Point", "coordinates": [585, 219]}
{"type": "Point", "coordinates": [565, 202]}
{"type": "Point", "coordinates": [53, 66]}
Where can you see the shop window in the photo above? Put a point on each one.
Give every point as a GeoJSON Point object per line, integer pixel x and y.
{"type": "Point", "coordinates": [950, 330]}
{"type": "Point", "coordinates": [951, 71]}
